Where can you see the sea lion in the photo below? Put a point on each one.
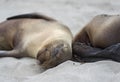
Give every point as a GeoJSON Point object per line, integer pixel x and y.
{"type": "Point", "coordinates": [99, 39]}
{"type": "Point", "coordinates": [37, 36]}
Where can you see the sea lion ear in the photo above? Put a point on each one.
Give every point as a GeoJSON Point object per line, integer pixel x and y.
{"type": "Point", "coordinates": [40, 56]}
{"type": "Point", "coordinates": [41, 52]}
{"type": "Point", "coordinates": [44, 57]}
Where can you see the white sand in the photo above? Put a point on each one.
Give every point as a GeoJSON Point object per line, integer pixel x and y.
{"type": "Point", "coordinates": [73, 13]}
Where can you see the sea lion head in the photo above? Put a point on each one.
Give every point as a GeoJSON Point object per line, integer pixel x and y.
{"type": "Point", "coordinates": [54, 53]}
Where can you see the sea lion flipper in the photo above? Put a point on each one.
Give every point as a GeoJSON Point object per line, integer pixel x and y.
{"type": "Point", "coordinates": [87, 53]}
{"type": "Point", "coordinates": [83, 50]}
{"type": "Point", "coordinates": [31, 16]}
{"type": "Point", "coordinates": [113, 52]}
{"type": "Point", "coordinates": [12, 53]}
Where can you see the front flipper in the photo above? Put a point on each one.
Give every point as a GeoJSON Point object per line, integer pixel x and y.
{"type": "Point", "coordinates": [83, 50]}
{"type": "Point", "coordinates": [12, 53]}
{"type": "Point", "coordinates": [87, 53]}
{"type": "Point", "coordinates": [113, 52]}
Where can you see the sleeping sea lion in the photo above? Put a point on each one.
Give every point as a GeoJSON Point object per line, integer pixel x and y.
{"type": "Point", "coordinates": [37, 36]}
{"type": "Point", "coordinates": [99, 39]}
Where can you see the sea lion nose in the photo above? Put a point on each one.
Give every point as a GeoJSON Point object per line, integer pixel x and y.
{"type": "Point", "coordinates": [57, 50]}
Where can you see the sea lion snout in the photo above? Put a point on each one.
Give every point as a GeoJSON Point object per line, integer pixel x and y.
{"type": "Point", "coordinates": [55, 55]}
{"type": "Point", "coordinates": [57, 50]}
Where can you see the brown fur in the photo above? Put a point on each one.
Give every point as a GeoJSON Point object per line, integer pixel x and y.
{"type": "Point", "coordinates": [45, 40]}
{"type": "Point", "coordinates": [102, 31]}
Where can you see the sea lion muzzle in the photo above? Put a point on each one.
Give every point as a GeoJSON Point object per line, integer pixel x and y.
{"type": "Point", "coordinates": [57, 50]}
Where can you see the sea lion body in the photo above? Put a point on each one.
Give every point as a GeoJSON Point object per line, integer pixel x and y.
{"type": "Point", "coordinates": [38, 38]}
{"type": "Point", "coordinates": [98, 40]}
{"type": "Point", "coordinates": [102, 31]}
